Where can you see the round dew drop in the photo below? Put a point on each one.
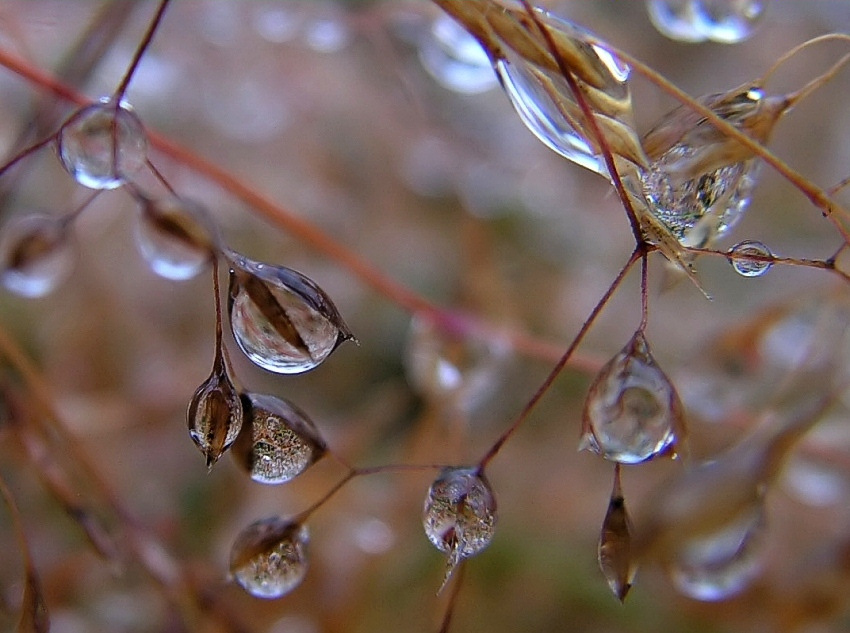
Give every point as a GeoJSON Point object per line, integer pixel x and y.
{"type": "Point", "coordinates": [455, 59]}
{"type": "Point", "coordinates": [37, 253]}
{"type": "Point", "coordinates": [750, 267]}
{"type": "Point", "coordinates": [269, 557]}
{"type": "Point", "coordinates": [724, 21]}
{"type": "Point", "coordinates": [101, 144]}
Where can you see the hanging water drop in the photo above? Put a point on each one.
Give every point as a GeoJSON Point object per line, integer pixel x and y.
{"type": "Point", "coordinates": [632, 412]}
{"type": "Point", "coordinates": [37, 253]}
{"type": "Point", "coordinates": [725, 21]}
{"type": "Point", "coordinates": [215, 413]}
{"type": "Point", "coordinates": [102, 144]}
{"type": "Point", "coordinates": [460, 514]}
{"type": "Point", "coordinates": [175, 236]}
{"type": "Point", "coordinates": [278, 441]}
{"type": "Point", "coordinates": [676, 19]}
{"type": "Point", "coordinates": [750, 267]}
{"type": "Point", "coordinates": [455, 59]}
{"type": "Point", "coordinates": [281, 319]}
{"type": "Point", "coordinates": [269, 557]}
{"type": "Point", "coordinates": [614, 551]}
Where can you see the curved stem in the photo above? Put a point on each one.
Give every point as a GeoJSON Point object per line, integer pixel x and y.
{"type": "Point", "coordinates": [118, 95]}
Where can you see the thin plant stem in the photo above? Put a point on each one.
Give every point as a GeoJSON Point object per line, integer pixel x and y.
{"type": "Point", "coordinates": [32, 149]}
{"type": "Point", "coordinates": [121, 90]}
{"type": "Point", "coordinates": [644, 292]}
{"type": "Point", "coordinates": [459, 575]}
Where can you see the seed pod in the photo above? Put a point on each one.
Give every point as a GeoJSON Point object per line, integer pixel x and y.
{"type": "Point", "coordinates": [215, 413]}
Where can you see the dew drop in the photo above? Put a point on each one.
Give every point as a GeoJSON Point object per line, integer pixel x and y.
{"type": "Point", "coordinates": [676, 19]}
{"type": "Point", "coordinates": [269, 557]}
{"type": "Point", "coordinates": [720, 565]}
{"type": "Point", "coordinates": [750, 267]}
{"type": "Point", "coordinates": [281, 319]}
{"type": "Point", "coordinates": [725, 21]}
{"type": "Point", "coordinates": [459, 514]}
{"type": "Point", "coordinates": [614, 551]}
{"type": "Point", "coordinates": [37, 253]}
{"type": "Point", "coordinates": [101, 144]}
{"type": "Point", "coordinates": [175, 236]}
{"type": "Point", "coordinates": [278, 441]}
{"type": "Point", "coordinates": [215, 414]}
{"type": "Point", "coordinates": [455, 58]}
{"type": "Point", "coordinates": [632, 412]}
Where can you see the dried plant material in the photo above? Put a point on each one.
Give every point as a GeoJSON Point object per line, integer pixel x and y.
{"type": "Point", "coordinates": [215, 413]}
{"type": "Point", "coordinates": [615, 543]}
{"type": "Point", "coordinates": [269, 557]}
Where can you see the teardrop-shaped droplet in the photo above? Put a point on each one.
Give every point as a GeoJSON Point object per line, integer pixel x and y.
{"type": "Point", "coordinates": [460, 514]}
{"type": "Point", "coordinates": [102, 144]}
{"type": "Point", "coordinates": [281, 319]}
{"type": "Point", "coordinates": [269, 557]}
{"type": "Point", "coordinates": [632, 412]}
{"type": "Point", "coordinates": [614, 552]}
{"type": "Point", "coordinates": [278, 441]}
{"type": "Point", "coordinates": [720, 565]}
{"type": "Point", "coordinates": [455, 59]}
{"type": "Point", "coordinates": [726, 21]}
{"type": "Point", "coordinates": [37, 253]}
{"type": "Point", "coordinates": [215, 414]}
{"type": "Point", "coordinates": [676, 19]}
{"type": "Point", "coordinates": [750, 267]}
{"type": "Point", "coordinates": [175, 236]}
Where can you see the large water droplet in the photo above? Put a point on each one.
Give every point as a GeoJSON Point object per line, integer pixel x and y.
{"type": "Point", "coordinates": [614, 551]}
{"type": "Point", "coordinates": [175, 236]}
{"type": "Point", "coordinates": [676, 19]}
{"type": "Point", "coordinates": [726, 21]}
{"type": "Point", "coordinates": [269, 557]}
{"type": "Point", "coordinates": [455, 58]}
{"type": "Point", "coordinates": [215, 414]}
{"type": "Point", "coordinates": [281, 319]}
{"type": "Point", "coordinates": [632, 412]}
{"type": "Point", "coordinates": [278, 441]}
{"type": "Point", "coordinates": [750, 267]}
{"type": "Point", "coordinates": [37, 253]}
{"type": "Point", "coordinates": [720, 565]}
{"type": "Point", "coordinates": [102, 144]}
{"type": "Point", "coordinates": [460, 514]}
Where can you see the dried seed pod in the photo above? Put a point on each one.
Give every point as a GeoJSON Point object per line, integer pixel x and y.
{"type": "Point", "coordinates": [281, 319]}
{"type": "Point", "coordinates": [37, 253]}
{"type": "Point", "coordinates": [269, 557]}
{"type": "Point", "coordinates": [103, 143]}
{"type": "Point", "coordinates": [215, 413]}
{"type": "Point", "coordinates": [614, 551]}
{"type": "Point", "coordinates": [278, 441]}
{"type": "Point", "coordinates": [632, 412]}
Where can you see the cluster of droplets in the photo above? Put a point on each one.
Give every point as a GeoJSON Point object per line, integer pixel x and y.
{"type": "Point", "coordinates": [724, 21]}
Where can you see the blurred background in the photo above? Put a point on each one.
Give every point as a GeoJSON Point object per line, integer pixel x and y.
{"type": "Point", "coordinates": [350, 115]}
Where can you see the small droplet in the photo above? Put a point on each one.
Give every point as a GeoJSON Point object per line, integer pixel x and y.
{"type": "Point", "coordinates": [176, 237]}
{"type": "Point", "coordinates": [720, 565]}
{"type": "Point", "coordinates": [269, 557]}
{"type": "Point", "coordinates": [614, 552]}
{"type": "Point", "coordinates": [455, 58]}
{"type": "Point", "coordinates": [278, 441]}
{"type": "Point", "coordinates": [676, 19]}
{"type": "Point", "coordinates": [37, 253]}
{"type": "Point", "coordinates": [750, 267]}
{"type": "Point", "coordinates": [725, 21]}
{"type": "Point", "coordinates": [102, 144]}
{"type": "Point", "coordinates": [215, 414]}
{"type": "Point", "coordinates": [281, 319]}
{"type": "Point", "coordinates": [460, 514]}
{"type": "Point", "coordinates": [632, 412]}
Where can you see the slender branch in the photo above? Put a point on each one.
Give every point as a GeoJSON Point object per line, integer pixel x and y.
{"type": "Point", "coordinates": [140, 51]}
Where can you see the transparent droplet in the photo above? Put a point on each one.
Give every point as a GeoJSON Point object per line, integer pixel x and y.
{"type": "Point", "coordinates": [676, 19]}
{"type": "Point", "coordinates": [455, 58]}
{"type": "Point", "coordinates": [278, 441]}
{"type": "Point", "coordinates": [750, 267]}
{"type": "Point", "coordinates": [632, 412]}
{"type": "Point", "coordinates": [102, 144]}
{"type": "Point", "coordinates": [726, 21]}
{"type": "Point", "coordinates": [720, 565]}
{"type": "Point", "coordinates": [269, 557]}
{"type": "Point", "coordinates": [614, 551]}
{"type": "Point", "coordinates": [175, 236]}
{"type": "Point", "coordinates": [460, 514]}
{"type": "Point", "coordinates": [281, 319]}
{"type": "Point", "coordinates": [215, 414]}
{"type": "Point", "coordinates": [37, 253]}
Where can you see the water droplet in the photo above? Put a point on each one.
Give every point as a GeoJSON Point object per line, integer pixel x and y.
{"type": "Point", "coordinates": [614, 552]}
{"type": "Point", "coordinates": [455, 58]}
{"type": "Point", "coordinates": [37, 253]}
{"type": "Point", "coordinates": [278, 441]}
{"type": "Point", "coordinates": [750, 267]}
{"type": "Point", "coordinates": [175, 236]}
{"type": "Point", "coordinates": [101, 144]}
{"type": "Point", "coordinates": [720, 565]}
{"type": "Point", "coordinates": [269, 557]}
{"type": "Point", "coordinates": [281, 319]}
{"type": "Point", "coordinates": [460, 514]}
{"type": "Point", "coordinates": [215, 413]}
{"type": "Point", "coordinates": [726, 21]}
{"type": "Point", "coordinates": [632, 412]}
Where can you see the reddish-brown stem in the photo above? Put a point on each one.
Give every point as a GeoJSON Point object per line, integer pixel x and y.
{"type": "Point", "coordinates": [565, 358]}
{"type": "Point", "coordinates": [121, 90]}
{"type": "Point", "coordinates": [644, 291]}
{"type": "Point", "coordinates": [453, 597]}
{"type": "Point", "coordinates": [26, 152]}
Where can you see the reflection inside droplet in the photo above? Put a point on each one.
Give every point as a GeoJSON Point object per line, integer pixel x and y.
{"type": "Point", "coordinates": [455, 58]}
{"type": "Point", "coordinates": [37, 253]}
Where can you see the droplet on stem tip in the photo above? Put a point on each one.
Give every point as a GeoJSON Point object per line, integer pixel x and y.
{"type": "Point", "coordinates": [269, 558]}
